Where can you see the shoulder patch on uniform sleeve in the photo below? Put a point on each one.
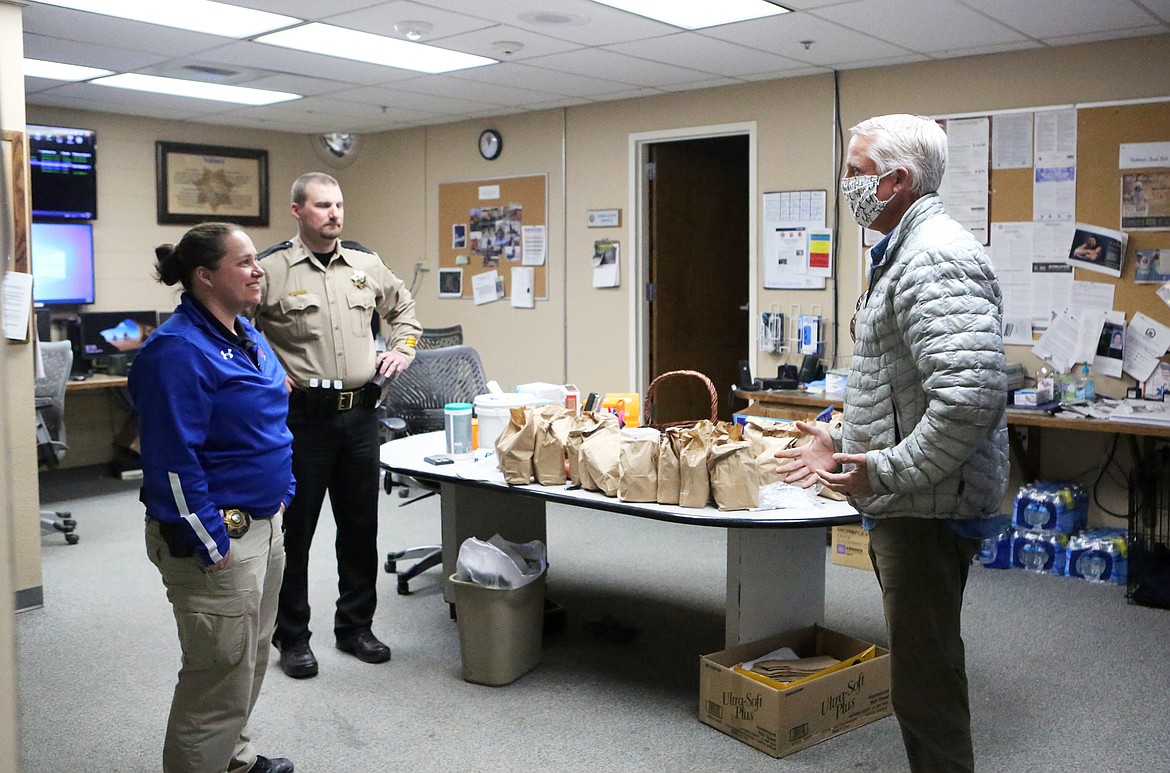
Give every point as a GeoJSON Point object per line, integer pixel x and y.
{"type": "Point", "coordinates": [275, 248]}
{"type": "Point", "coordinates": [356, 246]}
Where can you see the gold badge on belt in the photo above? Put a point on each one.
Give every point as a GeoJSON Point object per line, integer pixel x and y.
{"type": "Point", "coordinates": [236, 522]}
{"type": "Point", "coordinates": [359, 279]}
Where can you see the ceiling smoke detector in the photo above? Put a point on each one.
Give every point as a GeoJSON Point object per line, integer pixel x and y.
{"type": "Point", "coordinates": [413, 30]}
{"type": "Point", "coordinates": [508, 47]}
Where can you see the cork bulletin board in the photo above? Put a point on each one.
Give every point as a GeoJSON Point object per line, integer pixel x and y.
{"type": "Point", "coordinates": [1100, 133]}
{"type": "Point", "coordinates": [481, 229]}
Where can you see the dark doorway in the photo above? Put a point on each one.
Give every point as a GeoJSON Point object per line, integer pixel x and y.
{"type": "Point", "coordinates": [699, 204]}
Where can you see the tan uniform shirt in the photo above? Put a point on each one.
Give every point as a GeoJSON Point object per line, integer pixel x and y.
{"type": "Point", "coordinates": [318, 319]}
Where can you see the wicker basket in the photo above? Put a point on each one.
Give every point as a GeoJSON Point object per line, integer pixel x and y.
{"type": "Point", "coordinates": [648, 407]}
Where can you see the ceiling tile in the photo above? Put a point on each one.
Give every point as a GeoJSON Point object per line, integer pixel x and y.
{"type": "Point", "coordinates": [480, 42]}
{"type": "Point", "coordinates": [784, 36]}
{"type": "Point", "coordinates": [599, 63]}
{"type": "Point", "coordinates": [598, 25]}
{"type": "Point", "coordinates": [380, 20]}
{"type": "Point", "coordinates": [938, 25]}
{"type": "Point", "coordinates": [1055, 18]}
{"type": "Point", "coordinates": [706, 54]}
{"type": "Point", "coordinates": [88, 54]}
{"type": "Point", "coordinates": [490, 93]}
{"type": "Point", "coordinates": [84, 27]}
{"type": "Point", "coordinates": [538, 79]}
{"type": "Point", "coordinates": [396, 98]}
{"type": "Point", "coordinates": [1097, 37]}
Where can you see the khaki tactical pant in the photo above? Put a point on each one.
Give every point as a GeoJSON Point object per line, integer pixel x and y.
{"type": "Point", "coordinates": [225, 620]}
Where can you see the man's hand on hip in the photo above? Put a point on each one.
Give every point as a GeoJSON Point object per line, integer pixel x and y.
{"type": "Point", "coordinates": [390, 364]}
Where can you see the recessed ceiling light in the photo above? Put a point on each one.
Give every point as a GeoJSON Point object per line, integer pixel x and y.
{"type": "Point", "coordinates": [697, 14]}
{"type": "Point", "coordinates": [326, 39]}
{"type": "Point", "coordinates": [197, 89]}
{"type": "Point", "coordinates": [229, 21]}
{"type": "Point", "coordinates": [59, 71]}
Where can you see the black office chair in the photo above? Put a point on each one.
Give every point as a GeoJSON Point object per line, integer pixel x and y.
{"type": "Point", "coordinates": [438, 337]}
{"type": "Point", "coordinates": [57, 357]}
{"type": "Point", "coordinates": [435, 378]}
{"type": "Point", "coordinates": [392, 426]}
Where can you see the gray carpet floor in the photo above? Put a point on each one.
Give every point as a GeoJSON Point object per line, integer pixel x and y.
{"type": "Point", "coordinates": [1065, 675]}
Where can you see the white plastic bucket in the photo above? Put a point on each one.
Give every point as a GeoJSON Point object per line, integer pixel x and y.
{"type": "Point", "coordinates": [493, 412]}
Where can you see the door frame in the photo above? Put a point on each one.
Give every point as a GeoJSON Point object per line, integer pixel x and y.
{"type": "Point", "coordinates": [639, 326]}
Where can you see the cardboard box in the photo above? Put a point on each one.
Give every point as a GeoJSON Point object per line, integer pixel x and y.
{"type": "Point", "coordinates": [781, 722]}
{"type": "Point", "coordinates": [850, 547]}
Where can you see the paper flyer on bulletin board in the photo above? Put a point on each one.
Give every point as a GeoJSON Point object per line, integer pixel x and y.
{"type": "Point", "coordinates": [794, 232]}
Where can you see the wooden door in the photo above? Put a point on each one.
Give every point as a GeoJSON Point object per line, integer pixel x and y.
{"type": "Point", "coordinates": [698, 320]}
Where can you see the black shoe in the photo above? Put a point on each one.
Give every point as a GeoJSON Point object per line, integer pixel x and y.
{"type": "Point", "coordinates": [274, 765]}
{"type": "Point", "coordinates": [298, 662]}
{"type": "Point", "coordinates": [364, 646]}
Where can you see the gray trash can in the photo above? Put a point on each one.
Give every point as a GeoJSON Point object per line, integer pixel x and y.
{"type": "Point", "coordinates": [500, 630]}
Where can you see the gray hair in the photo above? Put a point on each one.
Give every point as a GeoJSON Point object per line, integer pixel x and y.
{"type": "Point", "coordinates": [912, 141]}
{"type": "Point", "coordinates": [302, 182]}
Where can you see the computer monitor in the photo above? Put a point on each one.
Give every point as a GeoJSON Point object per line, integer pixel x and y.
{"type": "Point", "coordinates": [62, 263]}
{"type": "Point", "coordinates": [62, 165]}
{"type": "Point", "coordinates": [106, 333]}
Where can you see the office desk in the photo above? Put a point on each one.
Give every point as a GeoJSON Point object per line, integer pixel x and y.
{"type": "Point", "coordinates": [797, 404]}
{"type": "Point", "coordinates": [775, 558]}
{"type": "Point", "coordinates": [96, 381]}
{"type": "Point", "coordinates": [103, 426]}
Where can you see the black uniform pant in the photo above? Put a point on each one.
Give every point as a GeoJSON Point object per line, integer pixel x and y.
{"type": "Point", "coordinates": [334, 452]}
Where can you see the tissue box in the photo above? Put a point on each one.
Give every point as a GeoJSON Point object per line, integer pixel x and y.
{"type": "Point", "coordinates": [1032, 397]}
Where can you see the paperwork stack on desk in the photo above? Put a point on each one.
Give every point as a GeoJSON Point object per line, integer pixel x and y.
{"type": "Point", "coordinates": [1142, 412]}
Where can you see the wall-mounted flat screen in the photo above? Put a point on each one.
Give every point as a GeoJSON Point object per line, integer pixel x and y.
{"type": "Point", "coordinates": [62, 164]}
{"type": "Point", "coordinates": [62, 263]}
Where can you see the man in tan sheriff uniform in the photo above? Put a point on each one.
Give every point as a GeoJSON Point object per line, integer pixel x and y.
{"type": "Point", "coordinates": [318, 296]}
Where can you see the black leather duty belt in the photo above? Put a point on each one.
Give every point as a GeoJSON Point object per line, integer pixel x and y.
{"type": "Point", "coordinates": [335, 401]}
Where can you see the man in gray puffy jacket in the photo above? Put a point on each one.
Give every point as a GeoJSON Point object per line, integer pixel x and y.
{"type": "Point", "coordinates": [923, 450]}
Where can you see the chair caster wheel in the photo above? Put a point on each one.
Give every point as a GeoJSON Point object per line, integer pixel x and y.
{"type": "Point", "coordinates": [72, 539]}
{"type": "Point", "coordinates": [403, 493]}
{"type": "Point", "coordinates": [403, 587]}
{"type": "Point", "coordinates": [69, 523]}
{"type": "Point", "coordinates": [391, 566]}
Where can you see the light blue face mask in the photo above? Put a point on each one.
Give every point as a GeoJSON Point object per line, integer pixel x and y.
{"type": "Point", "coordinates": [861, 193]}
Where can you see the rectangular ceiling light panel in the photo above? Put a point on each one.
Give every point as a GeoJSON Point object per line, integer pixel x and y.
{"type": "Point", "coordinates": [697, 14]}
{"type": "Point", "coordinates": [59, 71]}
{"type": "Point", "coordinates": [329, 40]}
{"type": "Point", "coordinates": [229, 21]}
{"type": "Point", "coordinates": [196, 89]}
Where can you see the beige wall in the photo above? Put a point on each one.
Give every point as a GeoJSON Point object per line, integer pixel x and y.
{"type": "Point", "coordinates": [20, 559]}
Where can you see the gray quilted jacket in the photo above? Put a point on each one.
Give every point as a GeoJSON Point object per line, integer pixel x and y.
{"type": "Point", "coordinates": [926, 395]}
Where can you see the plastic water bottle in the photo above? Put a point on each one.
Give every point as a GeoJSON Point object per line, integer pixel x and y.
{"type": "Point", "coordinates": [1092, 565]}
{"type": "Point", "coordinates": [1036, 515]}
{"type": "Point", "coordinates": [1086, 389]}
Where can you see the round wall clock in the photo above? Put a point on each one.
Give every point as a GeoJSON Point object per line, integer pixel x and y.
{"type": "Point", "coordinates": [490, 144]}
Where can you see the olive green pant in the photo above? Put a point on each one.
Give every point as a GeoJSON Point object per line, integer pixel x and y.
{"type": "Point", "coordinates": [922, 566]}
{"type": "Point", "coordinates": [225, 621]}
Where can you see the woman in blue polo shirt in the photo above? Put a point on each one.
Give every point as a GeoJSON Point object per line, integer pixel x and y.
{"type": "Point", "coordinates": [217, 476]}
